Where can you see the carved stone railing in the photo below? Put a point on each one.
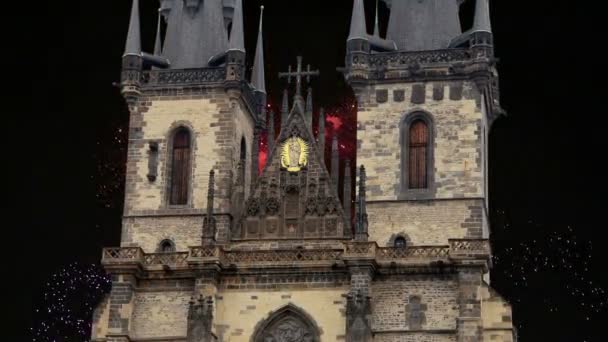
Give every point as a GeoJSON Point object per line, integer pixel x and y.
{"type": "Point", "coordinates": [403, 59]}
{"type": "Point", "coordinates": [470, 248]}
{"type": "Point", "coordinates": [478, 249]}
{"type": "Point", "coordinates": [414, 253]}
{"type": "Point", "coordinates": [166, 259]}
{"type": "Point", "coordinates": [282, 256]}
{"type": "Point", "coordinates": [360, 250]}
{"type": "Point", "coordinates": [122, 255]}
{"type": "Point", "coordinates": [183, 76]}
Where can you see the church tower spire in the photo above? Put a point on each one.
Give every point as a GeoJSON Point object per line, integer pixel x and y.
{"type": "Point", "coordinates": [133, 45]}
{"type": "Point", "coordinates": [377, 23]}
{"type": "Point", "coordinates": [237, 36]}
{"type": "Point", "coordinates": [158, 49]}
{"type": "Point", "coordinates": [258, 78]}
{"type": "Point", "coordinates": [358, 26]}
{"type": "Point", "coordinates": [482, 16]}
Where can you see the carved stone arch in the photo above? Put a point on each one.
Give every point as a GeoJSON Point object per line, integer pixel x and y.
{"type": "Point", "coordinates": [404, 129]}
{"type": "Point", "coordinates": [288, 324]}
{"type": "Point", "coordinates": [176, 127]}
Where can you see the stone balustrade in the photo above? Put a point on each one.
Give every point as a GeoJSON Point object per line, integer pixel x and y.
{"type": "Point", "coordinates": [478, 249]}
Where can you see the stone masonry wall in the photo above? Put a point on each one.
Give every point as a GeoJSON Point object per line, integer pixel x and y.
{"type": "Point", "coordinates": [239, 311]}
{"type": "Point", "coordinates": [457, 121]}
{"type": "Point", "coordinates": [217, 121]}
{"type": "Point", "coordinates": [438, 300]}
{"type": "Point", "coordinates": [425, 222]}
{"type": "Point", "coordinates": [148, 232]}
{"type": "Point", "coordinates": [160, 314]}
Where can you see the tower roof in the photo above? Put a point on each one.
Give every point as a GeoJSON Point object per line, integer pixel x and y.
{"type": "Point", "coordinates": [423, 25]}
{"type": "Point", "coordinates": [482, 16]}
{"type": "Point", "coordinates": [195, 32]}
{"type": "Point", "coordinates": [358, 26]}
{"type": "Point", "coordinates": [258, 78]}
{"type": "Point", "coordinates": [133, 45]}
{"type": "Point", "coordinates": [237, 36]}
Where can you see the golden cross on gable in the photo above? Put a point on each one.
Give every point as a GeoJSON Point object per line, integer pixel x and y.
{"type": "Point", "coordinates": [298, 74]}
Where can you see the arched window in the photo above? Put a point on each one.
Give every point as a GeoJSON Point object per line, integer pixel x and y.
{"type": "Point", "coordinates": [400, 242]}
{"type": "Point", "coordinates": [180, 167]}
{"type": "Point", "coordinates": [418, 155]}
{"type": "Point", "coordinates": [166, 246]}
{"type": "Point", "coordinates": [243, 149]}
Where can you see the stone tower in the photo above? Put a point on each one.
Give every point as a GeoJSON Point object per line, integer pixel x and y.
{"type": "Point", "coordinates": [215, 249]}
{"type": "Point", "coordinates": [427, 97]}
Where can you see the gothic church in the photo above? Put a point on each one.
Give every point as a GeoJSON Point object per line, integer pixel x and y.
{"type": "Point", "coordinates": [215, 248]}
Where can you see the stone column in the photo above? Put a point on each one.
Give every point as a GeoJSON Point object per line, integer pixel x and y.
{"type": "Point", "coordinates": [469, 319]}
{"type": "Point", "coordinates": [202, 306]}
{"type": "Point", "coordinates": [121, 307]}
{"type": "Point", "coordinates": [358, 304]}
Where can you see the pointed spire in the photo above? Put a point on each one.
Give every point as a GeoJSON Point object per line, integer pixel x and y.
{"type": "Point", "coordinates": [482, 16]}
{"type": "Point", "coordinates": [237, 36]}
{"type": "Point", "coordinates": [158, 49]}
{"type": "Point", "coordinates": [377, 24]}
{"type": "Point", "coordinates": [321, 135]}
{"type": "Point", "coordinates": [361, 232]}
{"type": "Point", "coordinates": [335, 162]}
{"type": "Point", "coordinates": [309, 109]}
{"type": "Point", "coordinates": [285, 108]}
{"type": "Point", "coordinates": [133, 46]}
{"type": "Point", "coordinates": [347, 192]}
{"type": "Point", "coordinates": [209, 223]}
{"type": "Point", "coordinates": [271, 133]}
{"type": "Point", "coordinates": [258, 79]}
{"type": "Point", "coordinates": [358, 27]}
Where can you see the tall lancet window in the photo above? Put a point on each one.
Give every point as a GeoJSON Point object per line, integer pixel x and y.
{"type": "Point", "coordinates": [243, 158]}
{"type": "Point", "coordinates": [180, 167]}
{"type": "Point", "coordinates": [418, 155]}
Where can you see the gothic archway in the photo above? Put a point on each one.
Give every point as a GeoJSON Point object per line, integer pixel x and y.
{"type": "Point", "coordinates": [288, 324]}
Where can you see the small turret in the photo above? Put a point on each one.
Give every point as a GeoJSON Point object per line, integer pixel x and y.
{"type": "Point", "coordinates": [309, 109]}
{"type": "Point", "coordinates": [481, 33]}
{"type": "Point", "coordinates": [335, 162]}
{"type": "Point", "coordinates": [358, 37]}
{"type": "Point", "coordinates": [258, 77]}
{"type": "Point", "coordinates": [321, 135]}
{"type": "Point", "coordinates": [132, 60]}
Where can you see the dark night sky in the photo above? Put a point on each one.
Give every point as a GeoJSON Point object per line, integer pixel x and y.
{"type": "Point", "coordinates": [547, 186]}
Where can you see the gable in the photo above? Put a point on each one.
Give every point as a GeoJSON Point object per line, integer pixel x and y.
{"type": "Point", "coordinates": [294, 196]}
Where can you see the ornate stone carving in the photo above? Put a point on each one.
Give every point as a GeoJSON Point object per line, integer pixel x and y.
{"type": "Point", "coordinates": [253, 207]}
{"type": "Point", "coordinates": [358, 310]}
{"type": "Point", "coordinates": [200, 319]}
{"type": "Point", "coordinates": [189, 76]}
{"type": "Point", "coordinates": [288, 324]}
{"type": "Point", "coordinates": [272, 207]}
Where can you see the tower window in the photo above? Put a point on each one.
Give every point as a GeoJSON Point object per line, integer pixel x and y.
{"type": "Point", "coordinates": [180, 172]}
{"type": "Point", "coordinates": [166, 246]}
{"type": "Point", "coordinates": [418, 155]}
{"type": "Point", "coordinates": [400, 242]}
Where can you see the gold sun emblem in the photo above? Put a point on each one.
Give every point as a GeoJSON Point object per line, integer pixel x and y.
{"type": "Point", "coordinates": [294, 154]}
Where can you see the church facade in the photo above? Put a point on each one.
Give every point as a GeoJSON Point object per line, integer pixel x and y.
{"type": "Point", "coordinates": [215, 248]}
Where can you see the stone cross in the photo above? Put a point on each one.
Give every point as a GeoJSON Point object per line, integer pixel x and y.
{"type": "Point", "coordinates": [298, 74]}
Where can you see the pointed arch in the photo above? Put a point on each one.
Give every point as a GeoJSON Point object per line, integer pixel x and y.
{"type": "Point", "coordinates": [179, 165]}
{"type": "Point", "coordinates": [417, 156]}
{"type": "Point", "coordinates": [289, 323]}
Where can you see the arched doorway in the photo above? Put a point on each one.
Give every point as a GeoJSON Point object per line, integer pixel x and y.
{"type": "Point", "coordinates": [288, 324]}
